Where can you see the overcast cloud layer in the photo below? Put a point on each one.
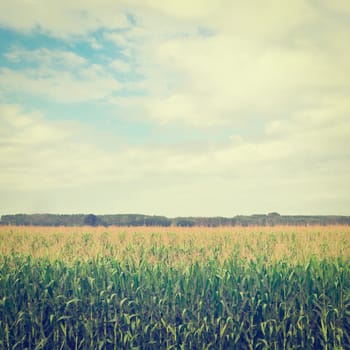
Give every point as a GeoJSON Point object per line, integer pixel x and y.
{"type": "Point", "coordinates": [175, 107]}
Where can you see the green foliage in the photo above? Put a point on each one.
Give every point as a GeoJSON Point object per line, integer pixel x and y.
{"type": "Point", "coordinates": [108, 304]}
{"type": "Point", "coordinates": [270, 219]}
{"type": "Point", "coordinates": [91, 220]}
{"type": "Point", "coordinates": [80, 220]}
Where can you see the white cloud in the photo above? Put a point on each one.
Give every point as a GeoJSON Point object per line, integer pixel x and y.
{"type": "Point", "coordinates": [280, 69]}
{"type": "Point", "coordinates": [117, 38]}
{"type": "Point", "coordinates": [37, 154]}
{"type": "Point", "coordinates": [176, 108]}
{"type": "Point", "coordinates": [60, 75]}
{"type": "Point", "coordinates": [66, 86]}
{"type": "Point", "coordinates": [62, 18]}
{"type": "Point", "coordinates": [261, 60]}
{"type": "Point", "coordinates": [27, 129]}
{"type": "Point", "coordinates": [340, 6]}
{"type": "Point", "coordinates": [120, 66]}
{"type": "Point", "coordinates": [95, 44]}
{"type": "Point", "coordinates": [225, 79]}
{"type": "Point", "coordinates": [46, 57]}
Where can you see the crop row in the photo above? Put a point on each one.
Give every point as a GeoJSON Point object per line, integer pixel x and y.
{"type": "Point", "coordinates": [177, 246]}
{"type": "Point", "coordinates": [104, 303]}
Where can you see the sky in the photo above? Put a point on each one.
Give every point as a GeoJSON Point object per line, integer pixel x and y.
{"type": "Point", "coordinates": [176, 108]}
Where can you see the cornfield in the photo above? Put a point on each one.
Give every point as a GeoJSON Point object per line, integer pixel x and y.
{"type": "Point", "coordinates": [171, 288]}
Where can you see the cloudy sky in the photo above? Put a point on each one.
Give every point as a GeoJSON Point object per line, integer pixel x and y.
{"type": "Point", "coordinates": [201, 107]}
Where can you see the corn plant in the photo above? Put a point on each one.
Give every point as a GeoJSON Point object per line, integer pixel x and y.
{"type": "Point", "coordinates": [106, 303]}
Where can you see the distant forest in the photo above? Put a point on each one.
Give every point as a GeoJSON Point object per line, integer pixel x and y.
{"type": "Point", "coordinates": [270, 219]}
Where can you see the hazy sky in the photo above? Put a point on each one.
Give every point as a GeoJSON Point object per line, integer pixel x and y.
{"type": "Point", "coordinates": [199, 107]}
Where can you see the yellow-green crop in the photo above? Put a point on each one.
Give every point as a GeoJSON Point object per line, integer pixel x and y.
{"type": "Point", "coordinates": [180, 289]}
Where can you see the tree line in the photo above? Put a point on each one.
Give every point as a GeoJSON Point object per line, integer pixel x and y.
{"type": "Point", "coordinates": [270, 219]}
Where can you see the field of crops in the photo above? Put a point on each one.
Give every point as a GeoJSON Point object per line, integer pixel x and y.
{"type": "Point", "coordinates": [175, 288]}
